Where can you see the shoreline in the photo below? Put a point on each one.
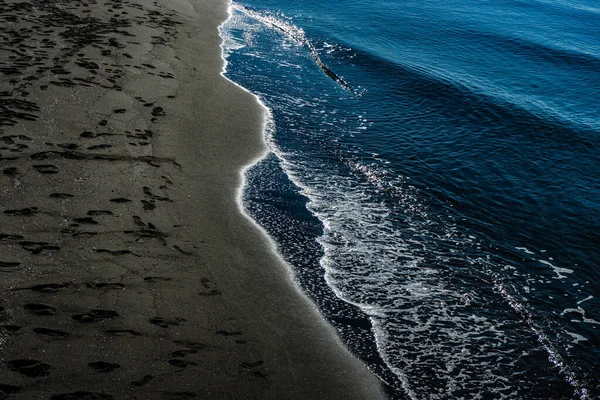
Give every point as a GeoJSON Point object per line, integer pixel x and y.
{"type": "Point", "coordinates": [356, 332]}
{"type": "Point", "coordinates": [130, 266]}
{"type": "Point", "coordinates": [373, 388]}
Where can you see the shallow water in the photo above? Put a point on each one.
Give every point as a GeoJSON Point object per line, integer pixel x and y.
{"type": "Point", "coordinates": [433, 183]}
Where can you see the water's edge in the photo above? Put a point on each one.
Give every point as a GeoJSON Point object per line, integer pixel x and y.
{"type": "Point", "coordinates": [349, 331]}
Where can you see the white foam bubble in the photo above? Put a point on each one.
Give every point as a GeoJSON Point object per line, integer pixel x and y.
{"type": "Point", "coordinates": [586, 299]}
{"type": "Point", "coordinates": [576, 337]}
{"type": "Point", "coordinates": [558, 270]}
{"type": "Point", "coordinates": [525, 250]}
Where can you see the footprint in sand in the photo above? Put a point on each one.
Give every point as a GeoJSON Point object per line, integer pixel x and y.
{"type": "Point", "coordinates": [38, 247]}
{"type": "Point", "coordinates": [11, 328]}
{"type": "Point", "coordinates": [191, 345]}
{"type": "Point", "coordinates": [154, 279]}
{"type": "Point", "coordinates": [103, 366]}
{"type": "Point", "coordinates": [46, 169]}
{"type": "Point", "coordinates": [120, 200]}
{"type": "Point", "coordinates": [29, 368]}
{"type": "Point", "coordinates": [138, 221]}
{"type": "Point", "coordinates": [182, 251]}
{"type": "Point", "coordinates": [209, 293]}
{"type": "Point", "coordinates": [27, 211]}
{"type": "Point", "coordinates": [228, 333]}
{"type": "Point", "coordinates": [40, 309]}
{"type": "Point", "coordinates": [148, 205]}
{"type": "Point", "coordinates": [100, 147]}
{"type": "Point", "coordinates": [143, 381]}
{"type": "Point", "coordinates": [122, 332]}
{"type": "Point", "coordinates": [99, 212]}
{"type": "Point", "coordinates": [8, 236]}
{"type": "Point", "coordinates": [114, 252]}
{"type": "Point", "coordinates": [253, 368]}
{"type": "Point", "coordinates": [250, 365]}
{"type": "Point", "coordinates": [61, 195]}
{"type": "Point", "coordinates": [55, 333]}
{"type": "Point", "coordinates": [210, 288]}
{"type": "Point", "coordinates": [9, 266]}
{"type": "Point", "coordinates": [7, 390]}
{"type": "Point", "coordinates": [183, 353]}
{"type": "Point", "coordinates": [177, 362]}
{"type": "Point", "coordinates": [105, 285]}
{"type": "Point", "coordinates": [12, 171]}
{"type": "Point", "coordinates": [68, 146]}
{"type": "Point", "coordinates": [95, 315]}
{"type": "Point", "coordinates": [46, 287]}
{"type": "Point", "coordinates": [165, 323]}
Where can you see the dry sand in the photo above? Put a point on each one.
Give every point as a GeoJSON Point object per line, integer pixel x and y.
{"type": "Point", "coordinates": [127, 267]}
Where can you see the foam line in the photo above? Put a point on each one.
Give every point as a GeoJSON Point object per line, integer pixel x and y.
{"type": "Point", "coordinates": [298, 36]}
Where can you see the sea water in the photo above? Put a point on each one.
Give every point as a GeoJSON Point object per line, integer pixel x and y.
{"type": "Point", "coordinates": [434, 183]}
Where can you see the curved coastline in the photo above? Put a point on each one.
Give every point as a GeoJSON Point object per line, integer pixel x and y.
{"type": "Point", "coordinates": [338, 366]}
{"type": "Point", "coordinates": [131, 268]}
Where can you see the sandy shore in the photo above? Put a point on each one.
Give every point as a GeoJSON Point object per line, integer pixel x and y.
{"type": "Point", "coordinates": [127, 267]}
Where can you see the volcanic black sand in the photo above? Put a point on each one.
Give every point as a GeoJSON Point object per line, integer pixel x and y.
{"type": "Point", "coordinates": [127, 268]}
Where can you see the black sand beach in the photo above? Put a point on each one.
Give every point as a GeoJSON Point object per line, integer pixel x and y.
{"type": "Point", "coordinates": [128, 269]}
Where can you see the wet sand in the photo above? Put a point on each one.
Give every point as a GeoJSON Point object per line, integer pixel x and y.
{"type": "Point", "coordinates": [127, 267]}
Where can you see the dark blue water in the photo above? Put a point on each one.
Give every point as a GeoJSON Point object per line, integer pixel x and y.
{"type": "Point", "coordinates": [434, 183]}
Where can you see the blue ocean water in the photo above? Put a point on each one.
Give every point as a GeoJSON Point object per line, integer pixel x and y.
{"type": "Point", "coordinates": [433, 182]}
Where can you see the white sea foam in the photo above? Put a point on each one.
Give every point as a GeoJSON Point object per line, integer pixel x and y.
{"type": "Point", "coordinates": [558, 270]}
{"type": "Point", "coordinates": [586, 299]}
{"type": "Point", "coordinates": [525, 250]}
{"type": "Point", "coordinates": [576, 337]}
{"type": "Point", "coordinates": [229, 44]}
